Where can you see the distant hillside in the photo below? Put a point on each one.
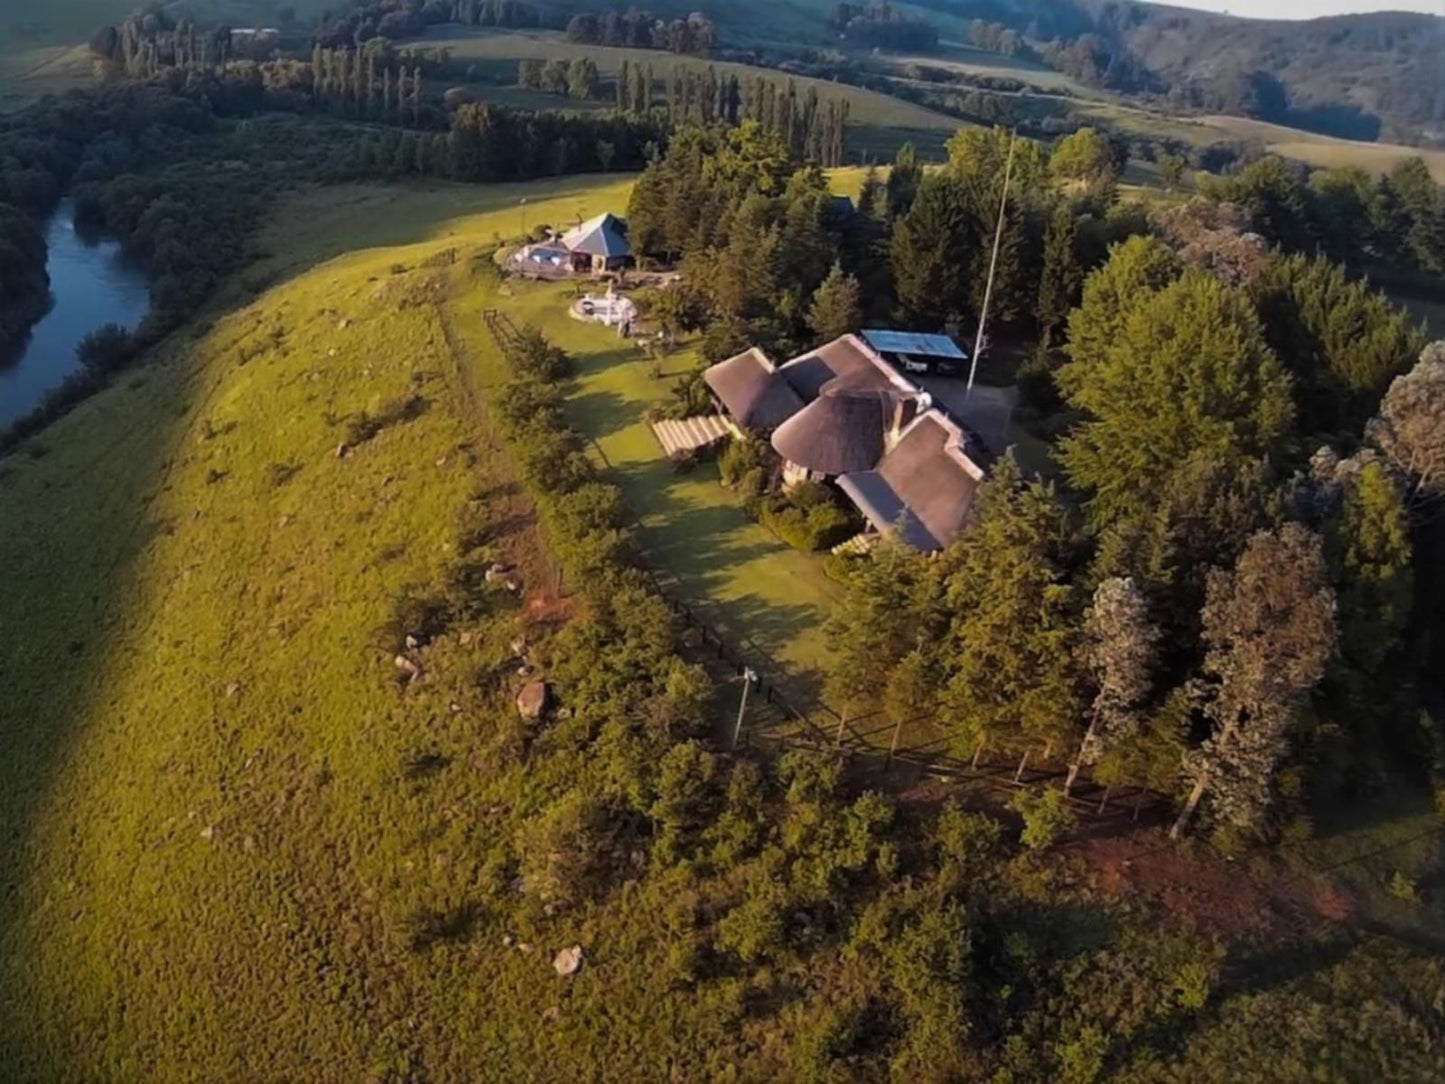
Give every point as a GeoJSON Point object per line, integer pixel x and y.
{"type": "Point", "coordinates": [1374, 76]}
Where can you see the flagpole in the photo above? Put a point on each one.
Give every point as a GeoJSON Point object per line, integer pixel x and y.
{"type": "Point", "coordinates": [992, 264]}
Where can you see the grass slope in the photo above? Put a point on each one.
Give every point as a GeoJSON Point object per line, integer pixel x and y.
{"type": "Point", "coordinates": [223, 809]}
{"type": "Point", "coordinates": [879, 124]}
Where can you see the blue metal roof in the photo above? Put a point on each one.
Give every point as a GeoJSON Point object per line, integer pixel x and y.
{"type": "Point", "coordinates": [909, 342]}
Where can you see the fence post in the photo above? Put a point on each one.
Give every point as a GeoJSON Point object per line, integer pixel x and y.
{"type": "Point", "coordinates": [893, 745]}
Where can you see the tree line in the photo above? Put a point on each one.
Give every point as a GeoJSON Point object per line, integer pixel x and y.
{"type": "Point", "coordinates": [882, 26]}
{"type": "Point", "coordinates": [1229, 602]}
{"type": "Point", "coordinates": [639, 30]}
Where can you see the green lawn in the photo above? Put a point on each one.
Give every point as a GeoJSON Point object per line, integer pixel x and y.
{"type": "Point", "coordinates": [754, 589]}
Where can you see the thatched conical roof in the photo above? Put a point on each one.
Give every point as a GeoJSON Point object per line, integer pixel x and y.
{"type": "Point", "coordinates": [842, 430]}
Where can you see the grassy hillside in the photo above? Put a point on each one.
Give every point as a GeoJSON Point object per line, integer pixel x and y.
{"type": "Point", "coordinates": [878, 124]}
{"type": "Point", "coordinates": [211, 785]}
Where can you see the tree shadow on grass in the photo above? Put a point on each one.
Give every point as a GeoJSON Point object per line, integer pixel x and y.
{"type": "Point", "coordinates": [600, 414]}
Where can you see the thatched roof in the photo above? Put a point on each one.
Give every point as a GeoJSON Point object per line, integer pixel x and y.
{"type": "Point", "coordinates": [842, 430]}
{"type": "Point", "coordinates": [753, 391]}
{"type": "Point", "coordinates": [605, 235]}
{"type": "Point", "coordinates": [845, 357]}
{"type": "Point", "coordinates": [923, 488]}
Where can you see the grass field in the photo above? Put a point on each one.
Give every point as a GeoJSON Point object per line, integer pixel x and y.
{"type": "Point", "coordinates": [222, 807]}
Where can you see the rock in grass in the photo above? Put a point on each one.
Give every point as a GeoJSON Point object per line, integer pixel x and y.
{"type": "Point", "coordinates": [568, 961]}
{"type": "Point", "coordinates": [532, 700]}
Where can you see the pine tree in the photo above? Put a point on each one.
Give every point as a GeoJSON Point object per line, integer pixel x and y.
{"type": "Point", "coordinates": [1138, 266]}
{"type": "Point", "coordinates": [1343, 341]}
{"type": "Point", "coordinates": [931, 253]}
{"type": "Point", "coordinates": [904, 180]}
{"type": "Point", "coordinates": [1371, 540]}
{"type": "Point", "coordinates": [624, 87]}
{"type": "Point", "coordinates": [1062, 273]}
{"type": "Point", "coordinates": [835, 310]}
{"type": "Point", "coordinates": [1014, 679]}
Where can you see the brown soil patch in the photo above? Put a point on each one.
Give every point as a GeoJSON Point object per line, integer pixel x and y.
{"type": "Point", "coordinates": [1228, 897]}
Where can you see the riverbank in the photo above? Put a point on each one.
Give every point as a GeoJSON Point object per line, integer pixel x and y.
{"type": "Point", "coordinates": [92, 284]}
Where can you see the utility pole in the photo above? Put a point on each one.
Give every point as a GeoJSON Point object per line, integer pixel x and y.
{"type": "Point", "coordinates": [992, 264]}
{"type": "Point", "coordinates": [749, 677]}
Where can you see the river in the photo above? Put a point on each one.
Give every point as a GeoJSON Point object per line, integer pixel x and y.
{"type": "Point", "coordinates": [93, 285]}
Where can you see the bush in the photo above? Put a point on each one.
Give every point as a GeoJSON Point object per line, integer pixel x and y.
{"type": "Point", "coordinates": [747, 465]}
{"type": "Point", "coordinates": [808, 518]}
{"type": "Point", "coordinates": [106, 349]}
{"type": "Point", "coordinates": [532, 354]}
{"type": "Point", "coordinates": [1047, 817]}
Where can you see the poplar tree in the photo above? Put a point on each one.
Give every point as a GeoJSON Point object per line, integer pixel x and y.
{"type": "Point", "coordinates": [1119, 650]}
{"type": "Point", "coordinates": [1269, 630]}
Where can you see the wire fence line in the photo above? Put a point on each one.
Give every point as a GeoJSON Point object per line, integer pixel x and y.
{"type": "Point", "coordinates": [776, 718]}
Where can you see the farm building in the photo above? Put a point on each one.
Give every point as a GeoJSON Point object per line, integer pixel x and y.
{"type": "Point", "coordinates": [847, 413]}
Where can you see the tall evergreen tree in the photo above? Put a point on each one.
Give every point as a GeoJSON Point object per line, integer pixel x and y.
{"type": "Point", "coordinates": [1013, 677]}
{"type": "Point", "coordinates": [1062, 273]}
{"type": "Point", "coordinates": [835, 309]}
{"type": "Point", "coordinates": [904, 181]}
{"type": "Point", "coordinates": [931, 254]}
{"type": "Point", "coordinates": [1189, 372]}
{"type": "Point", "coordinates": [1343, 342]}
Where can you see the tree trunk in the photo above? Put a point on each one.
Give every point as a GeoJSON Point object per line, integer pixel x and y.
{"type": "Point", "coordinates": [1104, 801]}
{"type": "Point", "coordinates": [1187, 813]}
{"type": "Point", "coordinates": [1023, 763]}
{"type": "Point", "coordinates": [978, 752]}
{"type": "Point", "coordinates": [1079, 756]}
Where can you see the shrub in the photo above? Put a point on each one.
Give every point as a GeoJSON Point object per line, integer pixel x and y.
{"type": "Point", "coordinates": [106, 349]}
{"type": "Point", "coordinates": [808, 518]}
{"type": "Point", "coordinates": [561, 850]}
{"type": "Point", "coordinates": [747, 466]}
{"type": "Point", "coordinates": [532, 354]}
{"type": "Point", "coordinates": [1047, 817]}
{"type": "Point", "coordinates": [690, 397]}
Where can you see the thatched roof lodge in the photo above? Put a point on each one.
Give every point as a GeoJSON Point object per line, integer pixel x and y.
{"type": "Point", "coordinates": [847, 411]}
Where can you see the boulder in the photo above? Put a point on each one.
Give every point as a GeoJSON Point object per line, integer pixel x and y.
{"type": "Point", "coordinates": [532, 700]}
{"type": "Point", "coordinates": [568, 961]}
